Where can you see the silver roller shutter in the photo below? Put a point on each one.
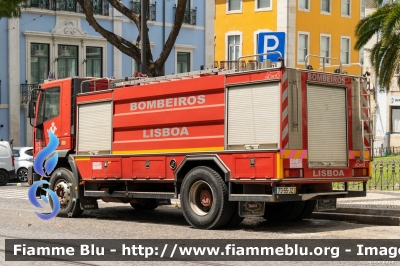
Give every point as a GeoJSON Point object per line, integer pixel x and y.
{"type": "Point", "coordinates": [327, 126]}
{"type": "Point", "coordinates": [94, 128]}
{"type": "Point", "coordinates": [253, 116]}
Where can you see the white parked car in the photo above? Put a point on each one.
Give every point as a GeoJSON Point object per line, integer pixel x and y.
{"type": "Point", "coordinates": [23, 159]}
{"type": "Point", "coordinates": [7, 171]}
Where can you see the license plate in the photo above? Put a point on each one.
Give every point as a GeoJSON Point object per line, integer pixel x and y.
{"type": "Point", "coordinates": [285, 190]}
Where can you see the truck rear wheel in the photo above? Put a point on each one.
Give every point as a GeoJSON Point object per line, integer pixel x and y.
{"type": "Point", "coordinates": [308, 209]}
{"type": "Point", "coordinates": [204, 199]}
{"type": "Point", "coordinates": [4, 178]}
{"type": "Point", "coordinates": [61, 182]}
{"type": "Point", "coordinates": [284, 211]}
{"type": "Point", "coordinates": [145, 205]}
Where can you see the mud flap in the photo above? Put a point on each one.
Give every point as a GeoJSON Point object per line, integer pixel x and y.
{"type": "Point", "coordinates": [326, 204]}
{"type": "Point", "coordinates": [89, 203]}
{"type": "Point", "coordinates": [251, 208]}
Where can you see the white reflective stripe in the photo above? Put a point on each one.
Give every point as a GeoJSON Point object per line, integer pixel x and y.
{"type": "Point", "coordinates": [284, 113]}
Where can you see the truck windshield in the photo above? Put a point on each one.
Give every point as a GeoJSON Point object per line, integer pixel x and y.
{"type": "Point", "coordinates": [49, 105]}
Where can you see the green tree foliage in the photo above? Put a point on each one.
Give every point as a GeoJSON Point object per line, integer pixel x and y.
{"type": "Point", "coordinates": [385, 54]}
{"type": "Point", "coordinates": [11, 8]}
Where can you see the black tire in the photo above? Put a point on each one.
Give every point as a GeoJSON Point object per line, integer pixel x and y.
{"type": "Point", "coordinates": [60, 181]}
{"type": "Point", "coordinates": [215, 210]}
{"type": "Point", "coordinates": [235, 219]}
{"type": "Point", "coordinates": [145, 205]}
{"type": "Point", "coordinates": [308, 210]}
{"type": "Point", "coordinates": [22, 174]}
{"type": "Point", "coordinates": [4, 178]}
{"type": "Point", "coordinates": [283, 212]}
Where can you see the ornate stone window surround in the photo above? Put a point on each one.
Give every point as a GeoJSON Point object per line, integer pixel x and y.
{"type": "Point", "coordinates": [67, 31]}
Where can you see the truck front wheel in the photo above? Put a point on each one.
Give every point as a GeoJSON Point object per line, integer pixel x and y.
{"type": "Point", "coordinates": [61, 182]}
{"type": "Point", "coordinates": [204, 199]}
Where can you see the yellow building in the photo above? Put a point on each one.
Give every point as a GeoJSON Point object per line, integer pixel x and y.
{"type": "Point", "coordinates": [317, 27]}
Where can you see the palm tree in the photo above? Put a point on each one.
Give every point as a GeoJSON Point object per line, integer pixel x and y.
{"type": "Point", "coordinates": [11, 8]}
{"type": "Point", "coordinates": [385, 54]}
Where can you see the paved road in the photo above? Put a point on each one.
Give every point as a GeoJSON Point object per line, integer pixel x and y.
{"type": "Point", "coordinates": [117, 221]}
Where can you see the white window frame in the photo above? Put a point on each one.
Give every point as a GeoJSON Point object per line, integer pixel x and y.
{"type": "Point", "coordinates": [341, 10]}
{"type": "Point", "coordinates": [330, 48]}
{"type": "Point", "coordinates": [361, 9]}
{"type": "Point", "coordinates": [308, 45]}
{"type": "Point", "coordinates": [256, 9]}
{"type": "Point", "coordinates": [230, 33]}
{"type": "Point", "coordinates": [304, 9]}
{"type": "Point", "coordinates": [348, 38]}
{"type": "Point", "coordinates": [330, 8]}
{"type": "Point", "coordinates": [183, 48]}
{"type": "Point", "coordinates": [234, 11]}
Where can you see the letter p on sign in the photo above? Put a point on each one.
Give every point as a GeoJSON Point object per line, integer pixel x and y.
{"type": "Point", "coordinates": [271, 42]}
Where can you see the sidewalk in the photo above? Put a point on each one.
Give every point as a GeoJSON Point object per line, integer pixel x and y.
{"type": "Point", "coordinates": [374, 199]}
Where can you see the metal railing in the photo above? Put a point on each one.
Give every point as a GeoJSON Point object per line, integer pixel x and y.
{"type": "Point", "coordinates": [100, 7]}
{"type": "Point", "coordinates": [189, 16]}
{"type": "Point", "coordinates": [386, 151]}
{"type": "Point", "coordinates": [151, 9]}
{"type": "Point", "coordinates": [232, 65]}
{"type": "Point", "coordinates": [28, 92]}
{"type": "Point", "coordinates": [385, 176]}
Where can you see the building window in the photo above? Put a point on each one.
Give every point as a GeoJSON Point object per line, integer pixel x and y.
{"type": "Point", "coordinates": [234, 5]}
{"type": "Point", "coordinates": [183, 62]}
{"type": "Point", "coordinates": [94, 62]}
{"type": "Point", "coordinates": [67, 61]}
{"type": "Point", "coordinates": [345, 50]}
{"type": "Point", "coordinates": [304, 4]}
{"type": "Point", "coordinates": [303, 47]}
{"type": "Point", "coordinates": [233, 47]}
{"type": "Point", "coordinates": [136, 66]}
{"type": "Point", "coordinates": [362, 11]}
{"type": "Point", "coordinates": [263, 4]}
{"type": "Point", "coordinates": [39, 62]}
{"type": "Point", "coordinates": [345, 7]}
{"type": "Point", "coordinates": [325, 6]}
{"type": "Point", "coordinates": [325, 48]}
{"type": "Point", "coordinates": [395, 119]}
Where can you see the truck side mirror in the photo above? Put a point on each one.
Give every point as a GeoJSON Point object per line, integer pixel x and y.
{"type": "Point", "coordinates": [31, 110]}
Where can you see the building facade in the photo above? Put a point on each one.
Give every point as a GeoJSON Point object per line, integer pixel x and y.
{"type": "Point", "coordinates": [317, 27]}
{"type": "Point", "coordinates": [54, 36]}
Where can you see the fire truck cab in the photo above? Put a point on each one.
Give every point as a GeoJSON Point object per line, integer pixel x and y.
{"type": "Point", "coordinates": [268, 141]}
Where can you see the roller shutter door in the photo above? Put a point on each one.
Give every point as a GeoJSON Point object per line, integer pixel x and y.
{"type": "Point", "coordinates": [253, 116]}
{"type": "Point", "coordinates": [94, 128]}
{"type": "Point", "coordinates": [327, 126]}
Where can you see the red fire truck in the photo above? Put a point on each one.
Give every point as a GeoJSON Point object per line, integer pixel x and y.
{"type": "Point", "coordinates": [230, 144]}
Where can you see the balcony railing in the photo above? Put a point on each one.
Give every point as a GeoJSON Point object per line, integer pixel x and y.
{"type": "Point", "coordinates": [100, 7]}
{"type": "Point", "coordinates": [151, 10]}
{"type": "Point", "coordinates": [28, 92]}
{"type": "Point", "coordinates": [189, 16]}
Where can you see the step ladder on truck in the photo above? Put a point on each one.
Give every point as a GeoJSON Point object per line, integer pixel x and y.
{"type": "Point", "coordinates": [265, 141]}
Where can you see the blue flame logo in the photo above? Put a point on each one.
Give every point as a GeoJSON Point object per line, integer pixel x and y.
{"type": "Point", "coordinates": [44, 167]}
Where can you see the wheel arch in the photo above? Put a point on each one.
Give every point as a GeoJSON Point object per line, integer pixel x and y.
{"type": "Point", "coordinates": [190, 162]}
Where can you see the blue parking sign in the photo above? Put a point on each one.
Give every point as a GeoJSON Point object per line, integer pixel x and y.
{"type": "Point", "coordinates": [271, 42]}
